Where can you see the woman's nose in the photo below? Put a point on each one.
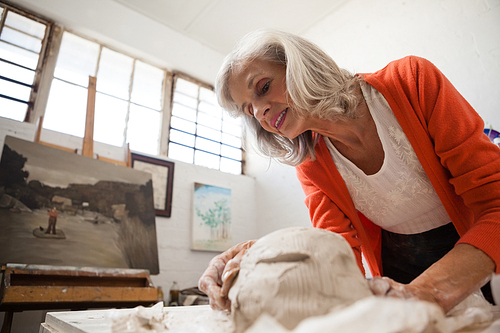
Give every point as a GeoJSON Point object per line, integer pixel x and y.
{"type": "Point", "coordinates": [261, 110]}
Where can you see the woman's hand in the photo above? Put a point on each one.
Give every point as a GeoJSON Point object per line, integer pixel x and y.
{"type": "Point", "coordinates": [384, 286]}
{"type": "Point", "coordinates": [447, 282]}
{"type": "Point", "coordinates": [220, 273]}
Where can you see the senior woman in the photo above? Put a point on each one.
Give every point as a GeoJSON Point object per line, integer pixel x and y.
{"type": "Point", "coordinates": [395, 161]}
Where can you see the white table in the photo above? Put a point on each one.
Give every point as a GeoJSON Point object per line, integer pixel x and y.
{"type": "Point", "coordinates": [185, 318]}
{"type": "Point", "coordinates": [100, 321]}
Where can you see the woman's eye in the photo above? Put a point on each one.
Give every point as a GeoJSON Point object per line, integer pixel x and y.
{"type": "Point", "coordinates": [265, 87]}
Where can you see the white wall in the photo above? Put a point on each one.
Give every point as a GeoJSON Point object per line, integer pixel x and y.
{"type": "Point", "coordinates": [280, 199]}
{"type": "Point", "coordinates": [461, 37]}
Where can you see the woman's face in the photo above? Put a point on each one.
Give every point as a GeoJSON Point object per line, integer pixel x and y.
{"type": "Point", "coordinates": [259, 88]}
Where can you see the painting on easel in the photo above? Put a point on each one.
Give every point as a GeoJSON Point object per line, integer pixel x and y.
{"type": "Point", "coordinates": [59, 208]}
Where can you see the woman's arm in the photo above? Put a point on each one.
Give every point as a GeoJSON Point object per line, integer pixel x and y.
{"type": "Point", "coordinates": [449, 281]}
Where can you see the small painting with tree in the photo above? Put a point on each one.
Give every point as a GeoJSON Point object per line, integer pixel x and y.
{"type": "Point", "coordinates": [211, 218]}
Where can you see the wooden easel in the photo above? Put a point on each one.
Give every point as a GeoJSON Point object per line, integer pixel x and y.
{"type": "Point", "coordinates": [88, 138]}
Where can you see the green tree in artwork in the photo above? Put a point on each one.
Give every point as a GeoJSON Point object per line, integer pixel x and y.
{"type": "Point", "coordinates": [217, 219]}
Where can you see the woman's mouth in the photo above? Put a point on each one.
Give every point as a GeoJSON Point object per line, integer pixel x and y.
{"type": "Point", "coordinates": [279, 119]}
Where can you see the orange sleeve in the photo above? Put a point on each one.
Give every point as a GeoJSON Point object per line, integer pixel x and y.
{"type": "Point", "coordinates": [326, 215]}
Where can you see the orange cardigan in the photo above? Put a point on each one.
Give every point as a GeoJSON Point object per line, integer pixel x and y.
{"type": "Point", "coordinates": [447, 136]}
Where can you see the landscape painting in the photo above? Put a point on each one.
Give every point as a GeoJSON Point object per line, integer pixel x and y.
{"type": "Point", "coordinates": [64, 209]}
{"type": "Point", "coordinates": [211, 229]}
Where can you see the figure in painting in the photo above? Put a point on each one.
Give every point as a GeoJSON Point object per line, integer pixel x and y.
{"type": "Point", "coordinates": [51, 229]}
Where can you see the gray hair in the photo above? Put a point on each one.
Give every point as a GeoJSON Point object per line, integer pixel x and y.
{"type": "Point", "coordinates": [316, 86]}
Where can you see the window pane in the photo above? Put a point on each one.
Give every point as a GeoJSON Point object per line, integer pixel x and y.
{"type": "Point", "coordinates": [117, 101]}
{"type": "Point", "coordinates": [206, 160]}
{"type": "Point", "coordinates": [231, 128]}
{"type": "Point", "coordinates": [77, 59]}
{"type": "Point", "coordinates": [214, 111]}
{"type": "Point", "coordinates": [15, 90]}
{"type": "Point", "coordinates": [231, 152]}
{"type": "Point", "coordinates": [16, 73]}
{"type": "Point", "coordinates": [12, 109]}
{"type": "Point", "coordinates": [66, 109]}
{"type": "Point", "coordinates": [19, 56]}
{"type": "Point", "coordinates": [230, 166]}
{"type": "Point", "coordinates": [231, 140]}
{"type": "Point", "coordinates": [209, 133]}
{"type": "Point", "coordinates": [109, 123]}
{"type": "Point", "coordinates": [186, 87]}
{"type": "Point", "coordinates": [18, 38]}
{"type": "Point", "coordinates": [207, 145]}
{"type": "Point", "coordinates": [180, 153]}
{"type": "Point", "coordinates": [185, 100]}
{"type": "Point", "coordinates": [147, 86]}
{"type": "Point", "coordinates": [115, 71]}
{"type": "Point", "coordinates": [1, 11]}
{"type": "Point", "coordinates": [230, 119]}
{"type": "Point", "coordinates": [181, 137]}
{"type": "Point", "coordinates": [199, 110]}
{"type": "Point", "coordinates": [206, 120]}
{"type": "Point", "coordinates": [208, 95]}
{"type": "Point", "coordinates": [183, 112]}
{"type": "Point", "coordinates": [25, 24]}
{"type": "Point", "coordinates": [183, 125]}
{"type": "Point", "coordinates": [143, 129]}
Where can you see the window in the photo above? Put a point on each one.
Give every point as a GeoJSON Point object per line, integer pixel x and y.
{"type": "Point", "coordinates": [132, 96]}
{"type": "Point", "coordinates": [129, 94]}
{"type": "Point", "coordinates": [200, 132]}
{"type": "Point", "coordinates": [22, 44]}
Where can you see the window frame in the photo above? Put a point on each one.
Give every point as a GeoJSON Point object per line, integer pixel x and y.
{"type": "Point", "coordinates": [40, 68]}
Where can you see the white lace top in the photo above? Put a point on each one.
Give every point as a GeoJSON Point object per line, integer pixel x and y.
{"type": "Point", "coordinates": [399, 197]}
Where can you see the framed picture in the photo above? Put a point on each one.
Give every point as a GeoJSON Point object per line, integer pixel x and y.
{"type": "Point", "coordinates": [211, 228]}
{"type": "Point", "coordinates": [163, 179]}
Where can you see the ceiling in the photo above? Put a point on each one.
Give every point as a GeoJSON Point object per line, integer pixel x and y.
{"type": "Point", "coordinates": [218, 24]}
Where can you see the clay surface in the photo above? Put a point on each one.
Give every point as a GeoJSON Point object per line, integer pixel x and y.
{"type": "Point", "coordinates": [295, 273]}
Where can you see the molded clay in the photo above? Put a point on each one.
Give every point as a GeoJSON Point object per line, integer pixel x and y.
{"type": "Point", "coordinates": [295, 273]}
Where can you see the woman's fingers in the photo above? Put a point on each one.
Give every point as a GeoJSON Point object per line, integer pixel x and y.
{"type": "Point", "coordinates": [231, 271]}
{"type": "Point", "coordinates": [379, 286]}
{"type": "Point", "coordinates": [213, 282]}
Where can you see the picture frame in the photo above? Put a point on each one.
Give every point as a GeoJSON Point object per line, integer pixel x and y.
{"type": "Point", "coordinates": [162, 172]}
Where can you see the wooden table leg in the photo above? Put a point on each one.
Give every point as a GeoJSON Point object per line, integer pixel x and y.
{"type": "Point", "coordinates": [7, 322]}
